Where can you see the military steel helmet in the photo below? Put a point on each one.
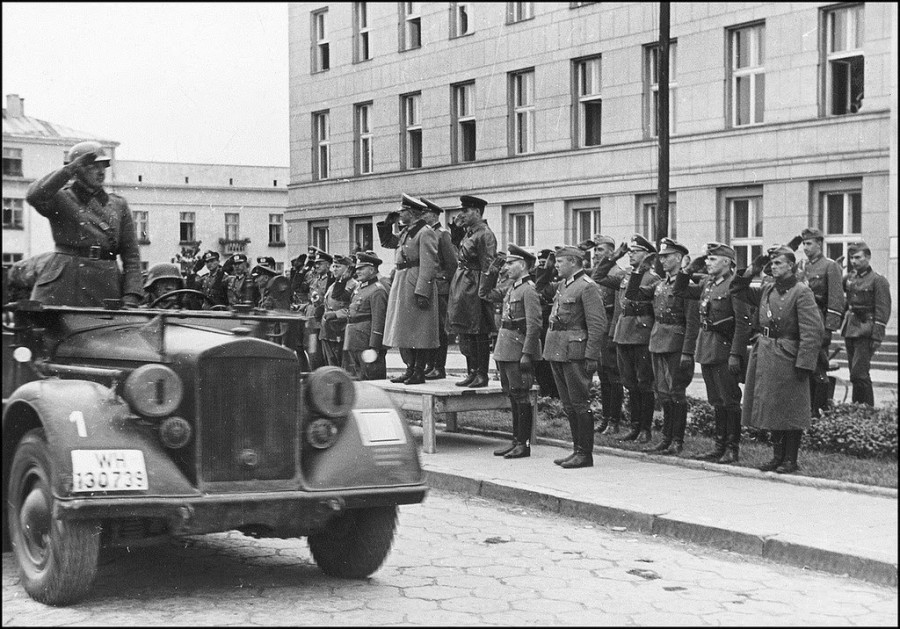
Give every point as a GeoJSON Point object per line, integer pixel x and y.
{"type": "Point", "coordinates": [162, 272]}
{"type": "Point", "coordinates": [88, 146]}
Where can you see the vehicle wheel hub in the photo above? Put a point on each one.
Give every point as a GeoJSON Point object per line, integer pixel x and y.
{"type": "Point", "coordinates": [34, 519]}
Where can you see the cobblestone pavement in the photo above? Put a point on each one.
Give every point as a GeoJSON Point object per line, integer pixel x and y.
{"type": "Point", "coordinates": [459, 561]}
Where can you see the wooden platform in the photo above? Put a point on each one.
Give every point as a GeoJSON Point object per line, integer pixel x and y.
{"type": "Point", "coordinates": [443, 396]}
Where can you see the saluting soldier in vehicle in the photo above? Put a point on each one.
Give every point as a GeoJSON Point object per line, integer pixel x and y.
{"type": "Point", "coordinates": [411, 322]}
{"type": "Point", "coordinates": [468, 315]}
{"type": "Point", "coordinates": [611, 389]}
{"type": "Point", "coordinates": [577, 325]}
{"type": "Point", "coordinates": [334, 317]}
{"type": "Point", "coordinates": [239, 285]}
{"type": "Point", "coordinates": [212, 285]}
{"type": "Point", "coordinates": [436, 367]}
{"type": "Point", "coordinates": [518, 344]}
{"type": "Point", "coordinates": [721, 343]}
{"type": "Point", "coordinates": [634, 322]}
{"type": "Point", "coordinates": [91, 229]}
{"type": "Point", "coordinates": [676, 322]}
{"type": "Point", "coordinates": [365, 320]}
{"type": "Point", "coordinates": [868, 312]}
{"type": "Point", "coordinates": [825, 278]}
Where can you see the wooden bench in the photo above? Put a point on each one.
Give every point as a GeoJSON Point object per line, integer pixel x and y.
{"type": "Point", "coordinates": [443, 396]}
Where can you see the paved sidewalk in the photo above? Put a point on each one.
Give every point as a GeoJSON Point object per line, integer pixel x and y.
{"type": "Point", "coordinates": [824, 529]}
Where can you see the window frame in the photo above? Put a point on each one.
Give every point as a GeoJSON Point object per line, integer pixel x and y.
{"type": "Point", "coordinates": [362, 223]}
{"type": "Point", "coordinates": [319, 234]}
{"type": "Point", "coordinates": [513, 213]}
{"type": "Point", "coordinates": [409, 129]}
{"type": "Point", "coordinates": [455, 9]}
{"type": "Point", "coordinates": [458, 121]}
{"type": "Point", "coordinates": [820, 191]}
{"type": "Point", "coordinates": [232, 226]}
{"type": "Point", "coordinates": [14, 209]}
{"type": "Point", "coordinates": [362, 41]}
{"type": "Point", "coordinates": [13, 161]}
{"type": "Point", "coordinates": [519, 110]}
{"type": "Point", "coordinates": [582, 100]}
{"type": "Point", "coordinates": [831, 57]}
{"type": "Point", "coordinates": [410, 13]}
{"type": "Point", "coordinates": [645, 219]}
{"type": "Point", "coordinates": [10, 259]}
{"type": "Point", "coordinates": [143, 235]}
{"type": "Point", "coordinates": [651, 88]}
{"type": "Point", "coordinates": [363, 138]}
{"type": "Point", "coordinates": [320, 55]}
{"type": "Point", "coordinates": [276, 229]}
{"type": "Point", "coordinates": [519, 12]}
{"type": "Point", "coordinates": [757, 49]}
{"type": "Point", "coordinates": [187, 226]}
{"type": "Point", "coordinates": [321, 146]}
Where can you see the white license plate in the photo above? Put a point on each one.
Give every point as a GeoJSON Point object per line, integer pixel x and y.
{"type": "Point", "coordinates": [379, 426]}
{"type": "Point", "coordinates": [108, 470]}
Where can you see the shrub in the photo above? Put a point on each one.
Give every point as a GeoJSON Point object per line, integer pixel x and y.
{"type": "Point", "coordinates": [855, 429]}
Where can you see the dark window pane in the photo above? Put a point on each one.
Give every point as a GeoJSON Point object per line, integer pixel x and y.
{"type": "Point", "coordinates": [592, 118]}
{"type": "Point", "coordinates": [325, 62]}
{"type": "Point", "coordinates": [415, 149]}
{"type": "Point", "coordinates": [741, 225]}
{"type": "Point", "coordinates": [856, 213]}
{"type": "Point", "coordinates": [415, 34]}
{"type": "Point", "coordinates": [834, 209]}
{"type": "Point", "coordinates": [857, 79]}
{"type": "Point", "coordinates": [743, 100]}
{"type": "Point", "coordinates": [741, 256]}
{"type": "Point", "coordinates": [834, 250]}
{"type": "Point", "coordinates": [467, 141]}
{"type": "Point", "coordinates": [840, 75]}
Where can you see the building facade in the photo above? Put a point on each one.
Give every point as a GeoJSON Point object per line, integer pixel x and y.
{"type": "Point", "coordinates": [782, 115]}
{"type": "Point", "coordinates": [178, 207]}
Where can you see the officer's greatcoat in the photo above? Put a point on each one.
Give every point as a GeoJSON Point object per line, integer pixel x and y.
{"type": "Point", "coordinates": [791, 330]}
{"type": "Point", "coordinates": [467, 313]}
{"type": "Point", "coordinates": [415, 260]}
{"type": "Point", "coordinates": [90, 228]}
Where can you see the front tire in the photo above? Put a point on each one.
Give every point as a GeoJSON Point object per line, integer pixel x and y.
{"type": "Point", "coordinates": [356, 543]}
{"type": "Point", "coordinates": [57, 559]}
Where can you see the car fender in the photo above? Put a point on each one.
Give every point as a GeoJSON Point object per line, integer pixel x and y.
{"type": "Point", "coordinates": [84, 415]}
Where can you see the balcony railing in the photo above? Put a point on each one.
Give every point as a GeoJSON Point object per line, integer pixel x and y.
{"type": "Point", "coordinates": [234, 246]}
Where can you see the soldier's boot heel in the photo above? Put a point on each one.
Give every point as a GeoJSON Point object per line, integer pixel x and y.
{"type": "Point", "coordinates": [521, 451]}
{"type": "Point", "coordinates": [480, 380]}
{"type": "Point", "coordinates": [562, 460]}
{"type": "Point", "coordinates": [467, 380]}
{"type": "Point", "coordinates": [581, 458]}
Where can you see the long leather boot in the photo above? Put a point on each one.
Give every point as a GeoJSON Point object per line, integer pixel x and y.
{"type": "Point", "coordinates": [573, 428]}
{"type": "Point", "coordinates": [482, 359]}
{"type": "Point", "coordinates": [439, 362]}
{"type": "Point", "coordinates": [470, 371]}
{"type": "Point", "coordinates": [679, 423]}
{"type": "Point", "coordinates": [616, 393]}
{"type": "Point", "coordinates": [634, 409]}
{"type": "Point", "coordinates": [420, 356]}
{"type": "Point", "coordinates": [648, 404]}
{"type": "Point", "coordinates": [733, 439]}
{"type": "Point", "coordinates": [777, 452]}
{"type": "Point", "coordinates": [791, 450]}
{"type": "Point", "coordinates": [604, 404]}
{"type": "Point", "coordinates": [721, 433]}
{"type": "Point", "coordinates": [409, 357]}
{"type": "Point", "coordinates": [668, 426]}
{"type": "Point", "coordinates": [514, 410]}
{"type": "Point", "coordinates": [584, 442]}
{"type": "Point", "coordinates": [523, 435]}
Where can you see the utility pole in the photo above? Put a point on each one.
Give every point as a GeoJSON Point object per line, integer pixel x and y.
{"type": "Point", "coordinates": [662, 123]}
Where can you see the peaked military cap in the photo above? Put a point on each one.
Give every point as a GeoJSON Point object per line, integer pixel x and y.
{"type": "Point", "coordinates": [431, 206]}
{"type": "Point", "coordinates": [345, 260]}
{"type": "Point", "coordinates": [517, 253]}
{"type": "Point", "coordinates": [720, 249]}
{"type": "Point", "coordinates": [859, 245]}
{"type": "Point", "coordinates": [781, 250]}
{"type": "Point", "coordinates": [587, 245]}
{"type": "Point", "coordinates": [409, 202]}
{"type": "Point", "coordinates": [313, 250]}
{"type": "Point", "coordinates": [367, 259]}
{"type": "Point", "coordinates": [264, 267]}
{"type": "Point", "coordinates": [210, 255]}
{"type": "Point", "coordinates": [600, 239]}
{"type": "Point", "coordinates": [470, 201]}
{"type": "Point", "coordinates": [237, 258]}
{"type": "Point", "coordinates": [543, 254]}
{"type": "Point", "coordinates": [639, 242]}
{"type": "Point", "coordinates": [811, 232]}
{"type": "Point", "coordinates": [267, 261]}
{"type": "Point", "coordinates": [667, 245]}
{"type": "Point", "coordinates": [570, 250]}
{"type": "Point", "coordinates": [324, 256]}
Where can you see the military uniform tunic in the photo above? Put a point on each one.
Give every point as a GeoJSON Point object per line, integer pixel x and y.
{"type": "Point", "coordinates": [90, 228]}
{"type": "Point", "coordinates": [365, 328]}
{"type": "Point", "coordinates": [868, 312]}
{"type": "Point", "coordinates": [823, 276]}
{"type": "Point", "coordinates": [331, 335]}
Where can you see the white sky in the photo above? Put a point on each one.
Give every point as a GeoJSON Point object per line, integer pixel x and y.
{"type": "Point", "coordinates": [183, 82]}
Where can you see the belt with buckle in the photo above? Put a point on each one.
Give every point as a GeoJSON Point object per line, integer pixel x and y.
{"type": "Point", "coordinates": [772, 333]}
{"type": "Point", "coordinates": [556, 327]}
{"type": "Point", "coordinates": [405, 265]}
{"type": "Point", "coordinates": [519, 325]}
{"type": "Point", "coordinates": [95, 252]}
{"type": "Point", "coordinates": [359, 318]}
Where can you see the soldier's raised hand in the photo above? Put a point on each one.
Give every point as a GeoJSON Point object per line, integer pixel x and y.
{"type": "Point", "coordinates": [621, 250]}
{"type": "Point", "coordinates": [697, 265]}
{"type": "Point", "coordinates": [85, 159]}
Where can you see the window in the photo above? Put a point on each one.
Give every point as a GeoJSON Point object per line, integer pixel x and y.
{"type": "Point", "coordinates": [651, 71]}
{"type": "Point", "coordinates": [186, 232]}
{"type": "Point", "coordinates": [520, 224]}
{"type": "Point", "coordinates": [362, 234]}
{"type": "Point", "coordinates": [463, 136]}
{"type": "Point", "coordinates": [411, 123]}
{"type": "Point", "coordinates": [232, 226]}
{"type": "Point", "coordinates": [12, 162]}
{"type": "Point", "coordinates": [840, 212]}
{"type": "Point", "coordinates": [363, 141]}
{"type": "Point", "coordinates": [11, 258]}
{"type": "Point", "coordinates": [361, 50]}
{"type": "Point", "coordinates": [276, 229]}
{"type": "Point", "coordinates": [320, 55]}
{"type": "Point", "coordinates": [844, 63]}
{"type": "Point", "coordinates": [321, 134]}
{"type": "Point", "coordinates": [521, 87]}
{"type": "Point", "coordinates": [743, 223]}
{"type": "Point", "coordinates": [647, 215]}
{"type": "Point", "coordinates": [410, 26]}
{"type": "Point", "coordinates": [12, 213]}
{"type": "Point", "coordinates": [586, 219]}
{"type": "Point", "coordinates": [747, 94]}
{"type": "Point", "coordinates": [589, 105]}
{"type": "Point", "coordinates": [519, 11]}
{"type": "Point", "coordinates": [460, 19]}
{"type": "Point", "coordinates": [142, 226]}
{"type": "Point", "coordinates": [318, 234]}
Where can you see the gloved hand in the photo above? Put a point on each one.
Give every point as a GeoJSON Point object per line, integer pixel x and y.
{"type": "Point", "coordinates": [84, 160]}
{"type": "Point", "coordinates": [697, 265]}
{"type": "Point", "coordinates": [687, 360]}
{"type": "Point", "coordinates": [826, 338]}
{"type": "Point", "coordinates": [758, 264]}
{"type": "Point", "coordinates": [874, 345]}
{"type": "Point", "coordinates": [621, 250]}
{"type": "Point", "coordinates": [329, 315]}
{"type": "Point", "coordinates": [589, 366]}
{"type": "Point", "coordinates": [734, 365]}
{"type": "Point", "coordinates": [803, 374]}
{"type": "Point", "coordinates": [422, 302]}
{"type": "Point", "coordinates": [795, 242]}
{"type": "Point", "coordinates": [647, 263]}
{"type": "Point", "coordinates": [392, 217]}
{"type": "Point", "coordinates": [198, 264]}
{"type": "Point", "coordinates": [525, 364]}
{"type": "Point", "coordinates": [498, 262]}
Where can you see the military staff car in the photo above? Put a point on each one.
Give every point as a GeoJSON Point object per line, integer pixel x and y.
{"type": "Point", "coordinates": [125, 427]}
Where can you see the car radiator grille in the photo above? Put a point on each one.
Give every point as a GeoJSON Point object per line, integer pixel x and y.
{"type": "Point", "coordinates": [247, 419]}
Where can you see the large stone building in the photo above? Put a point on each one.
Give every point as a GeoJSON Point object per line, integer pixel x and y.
{"type": "Point", "coordinates": [783, 115]}
{"type": "Point", "coordinates": [176, 206]}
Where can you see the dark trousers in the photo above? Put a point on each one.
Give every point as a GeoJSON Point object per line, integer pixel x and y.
{"type": "Point", "coordinates": [477, 350]}
{"type": "Point", "coordinates": [365, 371]}
{"type": "Point", "coordinates": [859, 355]}
{"type": "Point", "coordinates": [438, 358]}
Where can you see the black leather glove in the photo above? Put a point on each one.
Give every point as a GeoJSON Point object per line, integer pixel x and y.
{"type": "Point", "coordinates": [759, 263]}
{"type": "Point", "coordinates": [620, 251]}
{"type": "Point", "coordinates": [198, 264]}
{"type": "Point", "coordinates": [589, 366]}
{"type": "Point", "coordinates": [392, 217]}
{"type": "Point", "coordinates": [734, 365]}
{"type": "Point", "coordinates": [697, 265]}
{"type": "Point", "coordinates": [422, 302]}
{"type": "Point", "coordinates": [803, 374]}
{"type": "Point", "coordinates": [795, 242]}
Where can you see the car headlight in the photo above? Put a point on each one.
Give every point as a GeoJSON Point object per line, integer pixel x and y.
{"type": "Point", "coordinates": [153, 390]}
{"type": "Point", "coordinates": [330, 392]}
